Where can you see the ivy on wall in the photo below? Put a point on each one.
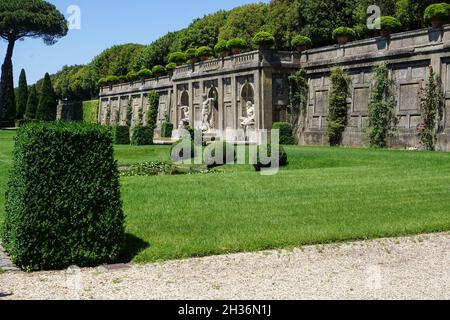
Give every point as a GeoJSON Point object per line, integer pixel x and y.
{"type": "Point", "coordinates": [90, 111]}
{"type": "Point", "coordinates": [298, 100]}
{"type": "Point", "coordinates": [152, 115]}
{"type": "Point", "coordinates": [382, 104]}
{"type": "Point", "coordinates": [337, 116]}
{"type": "Point", "coordinates": [432, 106]}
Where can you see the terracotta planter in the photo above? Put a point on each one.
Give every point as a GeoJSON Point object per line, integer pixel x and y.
{"type": "Point", "coordinates": [264, 46]}
{"type": "Point", "coordinates": [437, 23]}
{"type": "Point", "coordinates": [385, 32]}
{"type": "Point", "coordinates": [343, 40]}
{"type": "Point", "coordinates": [302, 48]}
{"type": "Point", "coordinates": [236, 50]}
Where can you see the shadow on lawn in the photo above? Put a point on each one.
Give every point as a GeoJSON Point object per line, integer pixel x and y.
{"type": "Point", "coordinates": [132, 247]}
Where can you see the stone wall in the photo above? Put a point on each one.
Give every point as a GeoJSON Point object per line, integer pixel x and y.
{"type": "Point", "coordinates": [409, 54]}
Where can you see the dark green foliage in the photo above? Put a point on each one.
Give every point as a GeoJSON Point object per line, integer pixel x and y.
{"type": "Point", "coordinates": [205, 52]}
{"type": "Point", "coordinates": [437, 12]}
{"type": "Point", "coordinates": [337, 116]}
{"type": "Point", "coordinates": [158, 70]}
{"type": "Point", "coordinates": [191, 53]}
{"type": "Point", "coordinates": [32, 103]}
{"type": "Point", "coordinates": [166, 129]}
{"type": "Point", "coordinates": [301, 41]}
{"type": "Point", "coordinates": [224, 151]}
{"type": "Point", "coordinates": [286, 132]}
{"type": "Point", "coordinates": [266, 150]}
{"type": "Point", "coordinates": [237, 43]}
{"type": "Point", "coordinates": [22, 95]}
{"type": "Point", "coordinates": [263, 38]}
{"type": "Point", "coordinates": [132, 76]}
{"type": "Point", "coordinates": [344, 32]}
{"type": "Point", "coordinates": [221, 48]}
{"type": "Point", "coordinates": [432, 111]}
{"type": "Point", "coordinates": [117, 60]}
{"type": "Point", "coordinates": [382, 105]}
{"type": "Point", "coordinates": [121, 134]}
{"type": "Point", "coordinates": [298, 98]}
{"type": "Point", "coordinates": [145, 74]}
{"type": "Point", "coordinates": [63, 203]}
{"type": "Point", "coordinates": [142, 136]}
{"type": "Point", "coordinates": [171, 66]}
{"type": "Point", "coordinates": [108, 81]}
{"type": "Point", "coordinates": [389, 23]}
{"type": "Point", "coordinates": [46, 110]}
{"type": "Point", "coordinates": [177, 57]}
{"type": "Point", "coordinates": [90, 111]}
{"type": "Point", "coordinates": [152, 114]}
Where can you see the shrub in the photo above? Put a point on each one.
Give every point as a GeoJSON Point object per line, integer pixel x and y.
{"type": "Point", "coordinates": [205, 52]}
{"type": "Point", "coordinates": [142, 136]}
{"type": "Point", "coordinates": [123, 79]}
{"type": "Point", "coordinates": [264, 39]}
{"type": "Point", "coordinates": [108, 81]}
{"type": "Point", "coordinates": [63, 202]}
{"type": "Point", "coordinates": [46, 110]}
{"type": "Point", "coordinates": [166, 129]}
{"type": "Point", "coordinates": [437, 12]}
{"type": "Point", "coordinates": [121, 134]}
{"type": "Point", "coordinates": [388, 23]}
{"type": "Point", "coordinates": [191, 53]}
{"type": "Point", "coordinates": [170, 67]}
{"type": "Point", "coordinates": [132, 76]}
{"type": "Point", "coordinates": [286, 132]}
{"type": "Point", "coordinates": [267, 150]}
{"type": "Point", "coordinates": [237, 43]}
{"type": "Point", "coordinates": [343, 32]}
{"type": "Point", "coordinates": [145, 74]}
{"type": "Point", "coordinates": [30, 113]}
{"type": "Point", "coordinates": [337, 116]}
{"type": "Point", "coordinates": [90, 111]}
{"type": "Point", "coordinates": [158, 70]}
{"type": "Point", "coordinates": [301, 41]}
{"type": "Point", "coordinates": [221, 47]}
{"type": "Point", "coordinates": [228, 154]}
{"type": "Point", "coordinates": [177, 57]}
{"type": "Point", "coordinates": [152, 114]}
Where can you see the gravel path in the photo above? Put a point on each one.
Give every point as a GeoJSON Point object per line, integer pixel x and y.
{"type": "Point", "coordinates": [403, 268]}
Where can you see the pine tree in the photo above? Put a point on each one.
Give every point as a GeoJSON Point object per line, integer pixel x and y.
{"type": "Point", "coordinates": [22, 95]}
{"type": "Point", "coordinates": [46, 110]}
{"type": "Point", "coordinates": [9, 108]}
{"type": "Point", "coordinates": [32, 103]}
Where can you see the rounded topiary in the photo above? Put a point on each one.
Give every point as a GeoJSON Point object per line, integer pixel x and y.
{"type": "Point", "coordinates": [301, 43]}
{"type": "Point", "coordinates": [142, 136]}
{"type": "Point", "coordinates": [221, 48]}
{"type": "Point", "coordinates": [264, 40]}
{"type": "Point", "coordinates": [145, 74]}
{"type": "Point", "coordinates": [343, 34]}
{"type": "Point", "coordinates": [267, 150]}
{"type": "Point", "coordinates": [123, 79]}
{"type": "Point", "coordinates": [191, 54]}
{"type": "Point", "coordinates": [158, 70]}
{"type": "Point", "coordinates": [177, 57]}
{"type": "Point", "coordinates": [205, 52]}
{"type": "Point", "coordinates": [437, 14]}
{"type": "Point", "coordinates": [121, 134]}
{"type": "Point", "coordinates": [237, 45]}
{"type": "Point", "coordinates": [388, 25]}
{"type": "Point", "coordinates": [228, 154]}
{"type": "Point", "coordinates": [132, 76]}
{"type": "Point", "coordinates": [171, 66]}
{"type": "Point", "coordinates": [166, 129]}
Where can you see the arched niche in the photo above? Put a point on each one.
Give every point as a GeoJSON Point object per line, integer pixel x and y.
{"type": "Point", "coordinates": [214, 116]}
{"type": "Point", "coordinates": [247, 94]}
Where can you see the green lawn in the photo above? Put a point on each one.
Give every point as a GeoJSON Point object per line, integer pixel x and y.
{"type": "Point", "coordinates": [324, 195]}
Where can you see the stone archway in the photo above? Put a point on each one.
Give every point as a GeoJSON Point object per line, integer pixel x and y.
{"type": "Point", "coordinates": [247, 94]}
{"type": "Point", "coordinates": [214, 116]}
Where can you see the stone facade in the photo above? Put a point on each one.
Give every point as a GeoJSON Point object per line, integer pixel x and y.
{"type": "Point", "coordinates": [261, 77]}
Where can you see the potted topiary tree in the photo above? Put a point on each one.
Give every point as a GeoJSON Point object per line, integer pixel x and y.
{"type": "Point", "coordinates": [177, 57]}
{"type": "Point", "coordinates": [204, 53]}
{"type": "Point", "coordinates": [145, 74]}
{"type": "Point", "coordinates": [158, 71]}
{"type": "Point", "coordinates": [343, 35]}
{"type": "Point", "coordinates": [191, 55]}
{"type": "Point", "coordinates": [132, 76]}
{"type": "Point", "coordinates": [388, 25]}
{"type": "Point", "coordinates": [170, 67]}
{"type": "Point", "coordinates": [236, 45]}
{"type": "Point", "coordinates": [301, 43]}
{"type": "Point", "coordinates": [264, 40]}
{"type": "Point", "coordinates": [222, 49]}
{"type": "Point", "coordinates": [437, 14]}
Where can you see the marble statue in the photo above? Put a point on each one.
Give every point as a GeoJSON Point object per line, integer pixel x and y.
{"type": "Point", "coordinates": [249, 120]}
{"type": "Point", "coordinates": [206, 112]}
{"type": "Point", "coordinates": [185, 118]}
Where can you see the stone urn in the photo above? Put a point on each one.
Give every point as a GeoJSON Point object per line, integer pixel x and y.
{"type": "Point", "coordinates": [437, 23]}
{"type": "Point", "coordinates": [385, 32]}
{"type": "Point", "coordinates": [264, 46]}
{"type": "Point", "coordinates": [343, 40]}
{"type": "Point", "coordinates": [300, 49]}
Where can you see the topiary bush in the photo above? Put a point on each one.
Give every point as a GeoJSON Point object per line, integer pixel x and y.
{"type": "Point", "coordinates": [286, 132]}
{"type": "Point", "coordinates": [344, 32]}
{"type": "Point", "coordinates": [145, 74]}
{"type": "Point", "coordinates": [142, 136]}
{"type": "Point", "coordinates": [170, 67]}
{"type": "Point", "coordinates": [121, 134]}
{"type": "Point", "coordinates": [177, 57]}
{"type": "Point", "coordinates": [221, 48]}
{"type": "Point", "coordinates": [191, 54]}
{"type": "Point", "coordinates": [132, 76]}
{"type": "Point", "coordinates": [388, 25]}
{"type": "Point", "coordinates": [166, 129]}
{"type": "Point", "coordinates": [237, 44]}
{"type": "Point", "coordinates": [158, 71]}
{"type": "Point", "coordinates": [63, 202]}
{"type": "Point", "coordinates": [437, 14]}
{"type": "Point", "coordinates": [205, 52]}
{"type": "Point", "coordinates": [228, 154]}
{"type": "Point", "coordinates": [267, 150]}
{"type": "Point", "coordinates": [264, 40]}
{"type": "Point", "coordinates": [301, 43]}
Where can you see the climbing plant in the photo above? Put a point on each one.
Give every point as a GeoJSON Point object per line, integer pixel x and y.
{"type": "Point", "coordinates": [432, 103]}
{"type": "Point", "coordinates": [337, 116]}
{"type": "Point", "coordinates": [152, 115]}
{"type": "Point", "coordinates": [382, 104]}
{"type": "Point", "coordinates": [298, 99]}
{"type": "Point", "coordinates": [129, 114]}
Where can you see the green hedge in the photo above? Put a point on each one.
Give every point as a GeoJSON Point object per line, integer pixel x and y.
{"type": "Point", "coordinates": [63, 203]}
{"type": "Point", "coordinates": [267, 150]}
{"type": "Point", "coordinates": [286, 132]}
{"type": "Point", "coordinates": [90, 111]}
{"type": "Point", "coordinates": [121, 134]}
{"type": "Point", "coordinates": [166, 129]}
{"type": "Point", "coordinates": [142, 136]}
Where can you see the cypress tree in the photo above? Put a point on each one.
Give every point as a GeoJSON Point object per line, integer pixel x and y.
{"type": "Point", "coordinates": [32, 103]}
{"type": "Point", "coordinates": [46, 110]}
{"type": "Point", "coordinates": [22, 95]}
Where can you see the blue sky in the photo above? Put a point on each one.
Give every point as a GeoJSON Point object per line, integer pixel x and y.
{"type": "Point", "coordinates": [105, 23]}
